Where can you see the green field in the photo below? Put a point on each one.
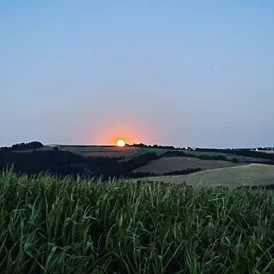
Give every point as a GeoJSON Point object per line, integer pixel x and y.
{"type": "Point", "coordinates": [160, 151]}
{"type": "Point", "coordinates": [170, 164]}
{"type": "Point", "coordinates": [79, 226]}
{"type": "Point", "coordinates": [252, 174]}
{"type": "Point", "coordinates": [141, 150]}
{"type": "Point", "coordinates": [102, 151]}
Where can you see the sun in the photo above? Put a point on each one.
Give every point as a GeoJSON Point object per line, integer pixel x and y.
{"type": "Point", "coordinates": [121, 143]}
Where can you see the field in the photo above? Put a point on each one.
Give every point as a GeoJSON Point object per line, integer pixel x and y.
{"type": "Point", "coordinates": [268, 151]}
{"type": "Point", "coordinates": [64, 226]}
{"type": "Point", "coordinates": [169, 164]}
{"type": "Point", "coordinates": [252, 174]}
{"type": "Point", "coordinates": [160, 151]}
{"type": "Point", "coordinates": [143, 150]}
{"type": "Point", "coordinates": [102, 151]}
{"type": "Point", "coordinates": [90, 151]}
{"type": "Point", "coordinates": [243, 159]}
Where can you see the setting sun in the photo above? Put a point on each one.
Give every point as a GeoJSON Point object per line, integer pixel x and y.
{"type": "Point", "coordinates": [121, 143]}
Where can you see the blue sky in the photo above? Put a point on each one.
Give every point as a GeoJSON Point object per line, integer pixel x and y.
{"type": "Point", "coordinates": [184, 73]}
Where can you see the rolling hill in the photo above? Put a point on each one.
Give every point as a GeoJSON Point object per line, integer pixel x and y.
{"type": "Point", "coordinates": [252, 174]}
{"type": "Point", "coordinates": [170, 164]}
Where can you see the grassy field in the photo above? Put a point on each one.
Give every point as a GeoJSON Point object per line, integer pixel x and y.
{"type": "Point", "coordinates": [143, 150]}
{"type": "Point", "coordinates": [103, 151]}
{"type": "Point", "coordinates": [268, 151]}
{"type": "Point", "coordinates": [160, 151]}
{"type": "Point", "coordinates": [64, 226]}
{"type": "Point", "coordinates": [252, 174]}
{"type": "Point", "coordinates": [169, 164]}
{"type": "Point", "coordinates": [242, 159]}
{"type": "Point", "coordinates": [91, 151]}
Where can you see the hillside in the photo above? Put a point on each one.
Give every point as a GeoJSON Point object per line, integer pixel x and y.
{"type": "Point", "coordinates": [252, 174]}
{"type": "Point", "coordinates": [112, 161]}
{"type": "Point", "coordinates": [100, 151]}
{"type": "Point", "coordinates": [170, 164]}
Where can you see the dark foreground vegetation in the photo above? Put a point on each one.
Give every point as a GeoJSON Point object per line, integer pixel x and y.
{"type": "Point", "coordinates": [67, 226]}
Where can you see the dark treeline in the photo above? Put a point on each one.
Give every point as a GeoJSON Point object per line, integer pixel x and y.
{"type": "Point", "coordinates": [23, 146]}
{"type": "Point", "coordinates": [151, 174]}
{"type": "Point", "coordinates": [183, 172]}
{"type": "Point", "coordinates": [251, 153]}
{"type": "Point", "coordinates": [154, 146]}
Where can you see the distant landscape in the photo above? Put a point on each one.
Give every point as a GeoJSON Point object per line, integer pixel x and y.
{"type": "Point", "coordinates": [161, 163]}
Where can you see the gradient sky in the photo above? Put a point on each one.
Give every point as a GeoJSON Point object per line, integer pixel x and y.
{"type": "Point", "coordinates": [172, 72]}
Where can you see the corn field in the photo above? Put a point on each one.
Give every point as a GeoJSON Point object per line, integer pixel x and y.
{"type": "Point", "coordinates": [52, 225]}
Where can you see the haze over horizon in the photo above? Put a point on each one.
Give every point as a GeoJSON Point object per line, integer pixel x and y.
{"type": "Point", "coordinates": [183, 73]}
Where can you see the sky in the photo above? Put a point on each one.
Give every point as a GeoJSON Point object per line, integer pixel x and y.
{"type": "Point", "coordinates": [168, 72]}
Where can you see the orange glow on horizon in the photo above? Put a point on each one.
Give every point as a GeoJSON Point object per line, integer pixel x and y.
{"type": "Point", "coordinates": [129, 130]}
{"type": "Point", "coordinates": [113, 134]}
{"type": "Point", "coordinates": [121, 143]}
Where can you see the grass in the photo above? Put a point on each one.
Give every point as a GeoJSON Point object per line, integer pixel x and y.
{"type": "Point", "coordinates": [102, 151]}
{"type": "Point", "coordinates": [268, 151]}
{"type": "Point", "coordinates": [143, 150]}
{"type": "Point", "coordinates": [159, 151]}
{"type": "Point", "coordinates": [209, 153]}
{"type": "Point", "coordinates": [252, 174]}
{"type": "Point", "coordinates": [169, 164]}
{"type": "Point", "coordinates": [64, 226]}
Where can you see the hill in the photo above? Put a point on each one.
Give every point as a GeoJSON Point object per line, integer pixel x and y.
{"type": "Point", "coordinates": [130, 152]}
{"type": "Point", "coordinates": [128, 161]}
{"type": "Point", "coordinates": [100, 151]}
{"type": "Point", "coordinates": [252, 174]}
{"type": "Point", "coordinates": [170, 164]}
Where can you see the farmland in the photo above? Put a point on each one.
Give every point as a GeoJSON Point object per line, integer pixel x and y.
{"type": "Point", "coordinates": [50, 225]}
{"type": "Point", "coordinates": [100, 151]}
{"type": "Point", "coordinates": [170, 164]}
{"type": "Point", "coordinates": [252, 174]}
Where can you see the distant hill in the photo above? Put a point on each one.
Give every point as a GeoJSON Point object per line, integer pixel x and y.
{"type": "Point", "coordinates": [170, 164]}
{"type": "Point", "coordinates": [127, 162]}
